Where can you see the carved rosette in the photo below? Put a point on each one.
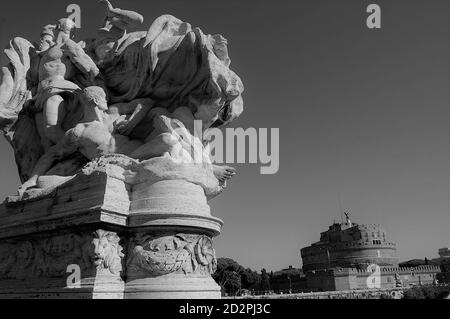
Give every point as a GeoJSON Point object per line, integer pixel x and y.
{"type": "Point", "coordinates": [175, 254]}
{"type": "Point", "coordinates": [50, 257]}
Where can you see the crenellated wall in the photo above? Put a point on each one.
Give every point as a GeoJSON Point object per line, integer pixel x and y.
{"type": "Point", "coordinates": [340, 279]}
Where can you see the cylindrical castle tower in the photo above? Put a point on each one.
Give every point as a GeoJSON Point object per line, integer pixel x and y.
{"type": "Point", "coordinates": [349, 245]}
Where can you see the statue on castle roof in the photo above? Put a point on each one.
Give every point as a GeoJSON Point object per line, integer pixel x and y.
{"type": "Point", "coordinates": [348, 221]}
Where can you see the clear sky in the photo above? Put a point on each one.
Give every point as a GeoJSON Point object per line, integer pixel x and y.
{"type": "Point", "coordinates": [363, 115]}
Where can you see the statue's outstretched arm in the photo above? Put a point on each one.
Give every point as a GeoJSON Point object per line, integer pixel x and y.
{"type": "Point", "coordinates": [141, 109]}
{"type": "Point", "coordinates": [123, 19]}
{"type": "Point", "coordinates": [80, 59]}
{"type": "Point", "coordinates": [158, 26]}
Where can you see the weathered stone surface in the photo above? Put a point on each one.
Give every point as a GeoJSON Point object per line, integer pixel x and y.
{"type": "Point", "coordinates": [139, 94]}
{"type": "Point", "coordinates": [37, 265]}
{"type": "Point", "coordinates": [109, 140]}
{"type": "Point", "coordinates": [164, 255]}
{"type": "Point", "coordinates": [122, 253]}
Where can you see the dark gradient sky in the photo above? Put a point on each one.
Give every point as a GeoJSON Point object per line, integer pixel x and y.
{"type": "Point", "coordinates": [363, 114]}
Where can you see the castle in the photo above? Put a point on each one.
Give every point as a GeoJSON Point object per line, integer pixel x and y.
{"type": "Point", "coordinates": [444, 261]}
{"type": "Point", "coordinates": [351, 256]}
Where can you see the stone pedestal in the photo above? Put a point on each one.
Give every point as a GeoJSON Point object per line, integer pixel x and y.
{"type": "Point", "coordinates": [119, 229]}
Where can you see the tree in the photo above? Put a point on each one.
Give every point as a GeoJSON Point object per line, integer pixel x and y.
{"type": "Point", "coordinates": [413, 293]}
{"type": "Point", "coordinates": [228, 275]}
{"type": "Point", "coordinates": [250, 279]}
{"type": "Point", "coordinates": [421, 293]}
{"type": "Point", "coordinates": [271, 279]}
{"type": "Point", "coordinates": [232, 277]}
{"type": "Point", "coordinates": [265, 284]}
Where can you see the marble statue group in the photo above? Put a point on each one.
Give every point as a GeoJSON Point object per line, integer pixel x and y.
{"type": "Point", "coordinates": [111, 139]}
{"type": "Point", "coordinates": [65, 102]}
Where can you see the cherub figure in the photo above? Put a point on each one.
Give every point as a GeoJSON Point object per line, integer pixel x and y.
{"type": "Point", "coordinates": [46, 41]}
{"type": "Point", "coordinates": [58, 65]}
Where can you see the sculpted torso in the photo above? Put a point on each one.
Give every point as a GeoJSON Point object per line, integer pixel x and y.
{"type": "Point", "coordinates": [54, 64]}
{"type": "Point", "coordinates": [94, 139]}
{"type": "Point", "coordinates": [63, 60]}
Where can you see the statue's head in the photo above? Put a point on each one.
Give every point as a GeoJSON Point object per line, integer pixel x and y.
{"type": "Point", "coordinates": [207, 109]}
{"type": "Point", "coordinates": [66, 26]}
{"type": "Point", "coordinates": [95, 97]}
{"type": "Point", "coordinates": [47, 37]}
{"type": "Point", "coordinates": [107, 251]}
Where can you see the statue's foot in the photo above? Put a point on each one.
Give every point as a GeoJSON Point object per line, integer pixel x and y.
{"type": "Point", "coordinates": [224, 173]}
{"type": "Point", "coordinates": [26, 186]}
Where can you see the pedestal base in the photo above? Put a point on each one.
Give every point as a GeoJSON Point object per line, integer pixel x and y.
{"type": "Point", "coordinates": [101, 236]}
{"type": "Point", "coordinates": [173, 287]}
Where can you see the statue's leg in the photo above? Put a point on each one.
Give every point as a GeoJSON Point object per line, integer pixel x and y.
{"type": "Point", "coordinates": [157, 111]}
{"type": "Point", "coordinates": [121, 109]}
{"type": "Point", "coordinates": [54, 113]}
{"type": "Point", "coordinates": [160, 145]}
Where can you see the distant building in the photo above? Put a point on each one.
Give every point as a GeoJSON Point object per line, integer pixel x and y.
{"type": "Point", "coordinates": [291, 271]}
{"type": "Point", "coordinates": [350, 245]}
{"type": "Point", "coordinates": [351, 257]}
{"type": "Point", "coordinates": [444, 261]}
{"type": "Point", "coordinates": [289, 280]}
{"type": "Point", "coordinates": [343, 279]}
{"type": "Point", "coordinates": [444, 252]}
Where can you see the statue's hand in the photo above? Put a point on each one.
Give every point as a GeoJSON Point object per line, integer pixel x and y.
{"type": "Point", "coordinates": [26, 186]}
{"type": "Point", "coordinates": [123, 126]}
{"type": "Point", "coordinates": [109, 6]}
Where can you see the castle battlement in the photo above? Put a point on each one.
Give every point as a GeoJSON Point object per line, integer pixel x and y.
{"type": "Point", "coordinates": [338, 271]}
{"type": "Point", "coordinates": [403, 270]}
{"type": "Point", "coordinates": [339, 279]}
{"type": "Point", "coordinates": [340, 260]}
{"type": "Point", "coordinates": [350, 245]}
